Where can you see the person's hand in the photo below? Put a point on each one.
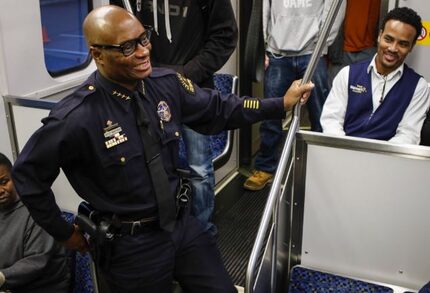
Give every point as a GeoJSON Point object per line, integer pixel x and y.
{"type": "Point", "coordinates": [266, 61]}
{"type": "Point", "coordinates": [77, 241]}
{"type": "Point", "coordinates": [297, 92]}
{"type": "Point", "coordinates": [2, 279]}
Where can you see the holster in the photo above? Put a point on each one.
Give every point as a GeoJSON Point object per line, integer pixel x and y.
{"type": "Point", "coordinates": [184, 191]}
{"type": "Point", "coordinates": [100, 232]}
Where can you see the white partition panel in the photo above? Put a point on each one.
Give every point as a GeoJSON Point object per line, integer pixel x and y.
{"type": "Point", "coordinates": [366, 211]}
{"type": "Point", "coordinates": [27, 120]}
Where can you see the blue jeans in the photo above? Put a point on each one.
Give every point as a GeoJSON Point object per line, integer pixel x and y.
{"type": "Point", "coordinates": [282, 71]}
{"type": "Point", "coordinates": [199, 157]}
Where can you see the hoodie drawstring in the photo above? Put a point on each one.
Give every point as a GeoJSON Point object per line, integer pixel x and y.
{"type": "Point", "coordinates": [166, 18]}
{"type": "Point", "coordinates": [155, 15]}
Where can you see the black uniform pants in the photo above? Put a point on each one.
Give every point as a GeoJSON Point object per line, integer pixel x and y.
{"type": "Point", "coordinates": [149, 262]}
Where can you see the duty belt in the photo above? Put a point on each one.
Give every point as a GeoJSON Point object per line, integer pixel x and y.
{"type": "Point", "coordinates": [105, 226]}
{"type": "Point", "coordinates": [136, 227]}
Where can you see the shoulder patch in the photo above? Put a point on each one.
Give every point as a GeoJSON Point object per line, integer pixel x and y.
{"type": "Point", "coordinates": [186, 83]}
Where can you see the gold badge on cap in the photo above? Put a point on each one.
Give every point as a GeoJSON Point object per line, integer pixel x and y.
{"type": "Point", "coordinates": [163, 111]}
{"type": "Point", "coordinates": [186, 83]}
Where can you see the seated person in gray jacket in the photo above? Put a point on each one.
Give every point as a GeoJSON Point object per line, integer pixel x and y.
{"type": "Point", "coordinates": [30, 259]}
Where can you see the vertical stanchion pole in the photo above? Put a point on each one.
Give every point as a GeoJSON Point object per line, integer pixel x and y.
{"type": "Point", "coordinates": [276, 185]}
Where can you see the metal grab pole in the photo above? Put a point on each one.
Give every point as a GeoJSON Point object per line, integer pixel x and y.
{"type": "Point", "coordinates": [275, 190]}
{"type": "Point", "coordinates": [331, 16]}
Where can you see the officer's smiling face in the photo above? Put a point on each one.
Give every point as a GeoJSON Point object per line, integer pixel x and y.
{"type": "Point", "coordinates": [114, 65]}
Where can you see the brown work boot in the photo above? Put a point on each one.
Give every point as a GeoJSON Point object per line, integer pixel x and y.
{"type": "Point", "coordinates": [258, 180]}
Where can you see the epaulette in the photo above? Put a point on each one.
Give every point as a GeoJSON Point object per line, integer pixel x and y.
{"type": "Point", "coordinates": [70, 102]}
{"type": "Point", "coordinates": [161, 71]}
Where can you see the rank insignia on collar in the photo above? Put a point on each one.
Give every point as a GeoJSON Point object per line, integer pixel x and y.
{"type": "Point", "coordinates": [120, 95]}
{"type": "Point", "coordinates": [358, 89]}
{"type": "Point", "coordinates": [163, 111]}
{"type": "Point", "coordinates": [251, 104]}
{"type": "Point", "coordinates": [113, 135]}
{"type": "Point", "coordinates": [186, 83]}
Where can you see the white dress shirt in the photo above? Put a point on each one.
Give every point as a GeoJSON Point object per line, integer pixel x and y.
{"type": "Point", "coordinates": [409, 128]}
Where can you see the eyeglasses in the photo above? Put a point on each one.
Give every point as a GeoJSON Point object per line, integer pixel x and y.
{"type": "Point", "coordinates": [129, 47]}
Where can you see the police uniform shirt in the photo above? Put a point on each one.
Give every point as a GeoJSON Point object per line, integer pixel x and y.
{"type": "Point", "coordinates": [93, 136]}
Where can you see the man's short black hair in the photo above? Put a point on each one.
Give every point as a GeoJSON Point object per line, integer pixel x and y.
{"type": "Point", "coordinates": [406, 15]}
{"type": "Point", "coordinates": [4, 161]}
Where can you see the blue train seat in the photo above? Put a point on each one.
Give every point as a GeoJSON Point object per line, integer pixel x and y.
{"type": "Point", "coordinates": [304, 280]}
{"type": "Point", "coordinates": [82, 280]}
{"type": "Point", "coordinates": [226, 84]}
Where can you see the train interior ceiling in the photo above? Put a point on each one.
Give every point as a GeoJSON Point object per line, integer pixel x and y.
{"type": "Point", "coordinates": [348, 214]}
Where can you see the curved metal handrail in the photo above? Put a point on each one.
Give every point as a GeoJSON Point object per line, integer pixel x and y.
{"type": "Point", "coordinates": [275, 192]}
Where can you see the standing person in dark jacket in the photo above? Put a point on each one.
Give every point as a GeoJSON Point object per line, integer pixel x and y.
{"type": "Point", "coordinates": [100, 136]}
{"type": "Point", "coordinates": [30, 259]}
{"type": "Point", "coordinates": [194, 38]}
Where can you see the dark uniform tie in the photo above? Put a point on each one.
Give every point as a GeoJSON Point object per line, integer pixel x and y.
{"type": "Point", "coordinates": [152, 150]}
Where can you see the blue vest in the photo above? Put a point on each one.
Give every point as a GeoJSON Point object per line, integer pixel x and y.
{"type": "Point", "coordinates": [360, 120]}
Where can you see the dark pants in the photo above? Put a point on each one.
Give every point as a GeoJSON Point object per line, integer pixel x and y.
{"type": "Point", "coordinates": [149, 262]}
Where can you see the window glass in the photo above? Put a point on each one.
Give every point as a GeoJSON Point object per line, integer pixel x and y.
{"type": "Point", "coordinates": [63, 41]}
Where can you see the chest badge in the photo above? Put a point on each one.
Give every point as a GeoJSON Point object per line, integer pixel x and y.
{"type": "Point", "coordinates": [358, 89]}
{"type": "Point", "coordinates": [113, 135]}
{"type": "Point", "coordinates": [163, 111]}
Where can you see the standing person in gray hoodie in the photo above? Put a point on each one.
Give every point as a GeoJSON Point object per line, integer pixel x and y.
{"type": "Point", "coordinates": [291, 30]}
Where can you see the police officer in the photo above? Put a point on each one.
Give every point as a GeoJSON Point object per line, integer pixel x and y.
{"type": "Point", "coordinates": [99, 136]}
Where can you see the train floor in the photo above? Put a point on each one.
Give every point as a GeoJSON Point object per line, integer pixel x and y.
{"type": "Point", "coordinates": [238, 214]}
{"type": "Point", "coordinates": [238, 225]}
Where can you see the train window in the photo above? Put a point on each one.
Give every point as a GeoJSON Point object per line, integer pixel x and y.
{"type": "Point", "coordinates": [63, 40]}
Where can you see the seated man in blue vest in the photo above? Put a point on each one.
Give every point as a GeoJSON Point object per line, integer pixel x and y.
{"type": "Point", "coordinates": [381, 98]}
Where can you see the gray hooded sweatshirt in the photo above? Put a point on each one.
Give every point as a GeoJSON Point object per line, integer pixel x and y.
{"type": "Point", "coordinates": [292, 27]}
